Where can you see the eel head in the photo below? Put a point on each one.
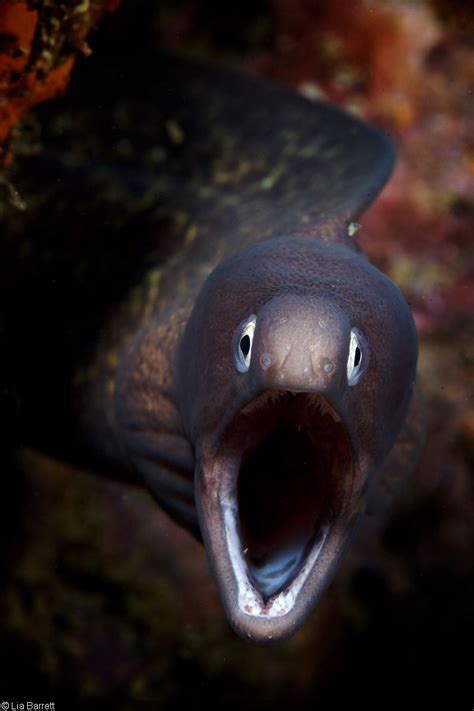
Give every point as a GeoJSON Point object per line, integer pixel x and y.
{"type": "Point", "coordinates": [289, 417]}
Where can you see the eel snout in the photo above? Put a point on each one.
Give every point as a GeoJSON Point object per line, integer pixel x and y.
{"type": "Point", "coordinates": [285, 473]}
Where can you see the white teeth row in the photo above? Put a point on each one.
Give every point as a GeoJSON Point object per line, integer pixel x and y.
{"type": "Point", "coordinates": [324, 408]}
{"type": "Point", "coordinates": [272, 396]}
{"type": "Point", "coordinates": [249, 600]}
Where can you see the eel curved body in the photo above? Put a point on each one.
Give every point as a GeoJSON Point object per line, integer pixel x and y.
{"type": "Point", "coordinates": [215, 333]}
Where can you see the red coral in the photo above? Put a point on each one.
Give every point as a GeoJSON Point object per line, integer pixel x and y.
{"type": "Point", "coordinates": [38, 45]}
{"type": "Point", "coordinates": [394, 63]}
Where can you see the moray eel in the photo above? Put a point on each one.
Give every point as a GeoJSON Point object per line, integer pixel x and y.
{"type": "Point", "coordinates": [216, 333]}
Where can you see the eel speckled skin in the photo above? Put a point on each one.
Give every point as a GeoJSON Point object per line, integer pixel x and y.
{"type": "Point", "coordinates": [203, 321]}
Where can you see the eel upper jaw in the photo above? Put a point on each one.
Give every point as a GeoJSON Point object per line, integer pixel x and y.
{"type": "Point", "coordinates": [277, 503]}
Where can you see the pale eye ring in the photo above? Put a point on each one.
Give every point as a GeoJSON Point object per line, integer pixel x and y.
{"type": "Point", "coordinates": [357, 360]}
{"type": "Point", "coordinates": [243, 344]}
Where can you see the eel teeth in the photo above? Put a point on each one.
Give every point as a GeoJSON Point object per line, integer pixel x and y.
{"type": "Point", "coordinates": [270, 397]}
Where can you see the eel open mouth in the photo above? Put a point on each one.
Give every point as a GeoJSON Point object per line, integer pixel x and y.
{"type": "Point", "coordinates": [295, 464]}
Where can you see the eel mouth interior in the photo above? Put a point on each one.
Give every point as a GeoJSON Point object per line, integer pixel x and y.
{"type": "Point", "coordinates": [295, 465]}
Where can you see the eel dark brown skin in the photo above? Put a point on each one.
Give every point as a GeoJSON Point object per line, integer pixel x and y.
{"type": "Point", "coordinates": [195, 315]}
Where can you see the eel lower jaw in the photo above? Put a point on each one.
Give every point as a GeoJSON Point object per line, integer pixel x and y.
{"type": "Point", "coordinates": [276, 510]}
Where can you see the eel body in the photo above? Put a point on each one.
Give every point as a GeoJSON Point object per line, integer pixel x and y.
{"type": "Point", "coordinates": [198, 318]}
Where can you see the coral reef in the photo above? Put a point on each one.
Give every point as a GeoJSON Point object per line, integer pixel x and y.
{"type": "Point", "coordinates": [39, 40]}
{"type": "Point", "coordinates": [396, 64]}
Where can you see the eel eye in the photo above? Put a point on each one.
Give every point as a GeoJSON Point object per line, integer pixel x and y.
{"type": "Point", "coordinates": [357, 358]}
{"type": "Point", "coordinates": [243, 346]}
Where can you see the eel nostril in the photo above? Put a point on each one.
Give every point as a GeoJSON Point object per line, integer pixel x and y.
{"type": "Point", "coordinates": [322, 365]}
{"type": "Point", "coordinates": [265, 360]}
{"type": "Point", "coordinates": [328, 366]}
